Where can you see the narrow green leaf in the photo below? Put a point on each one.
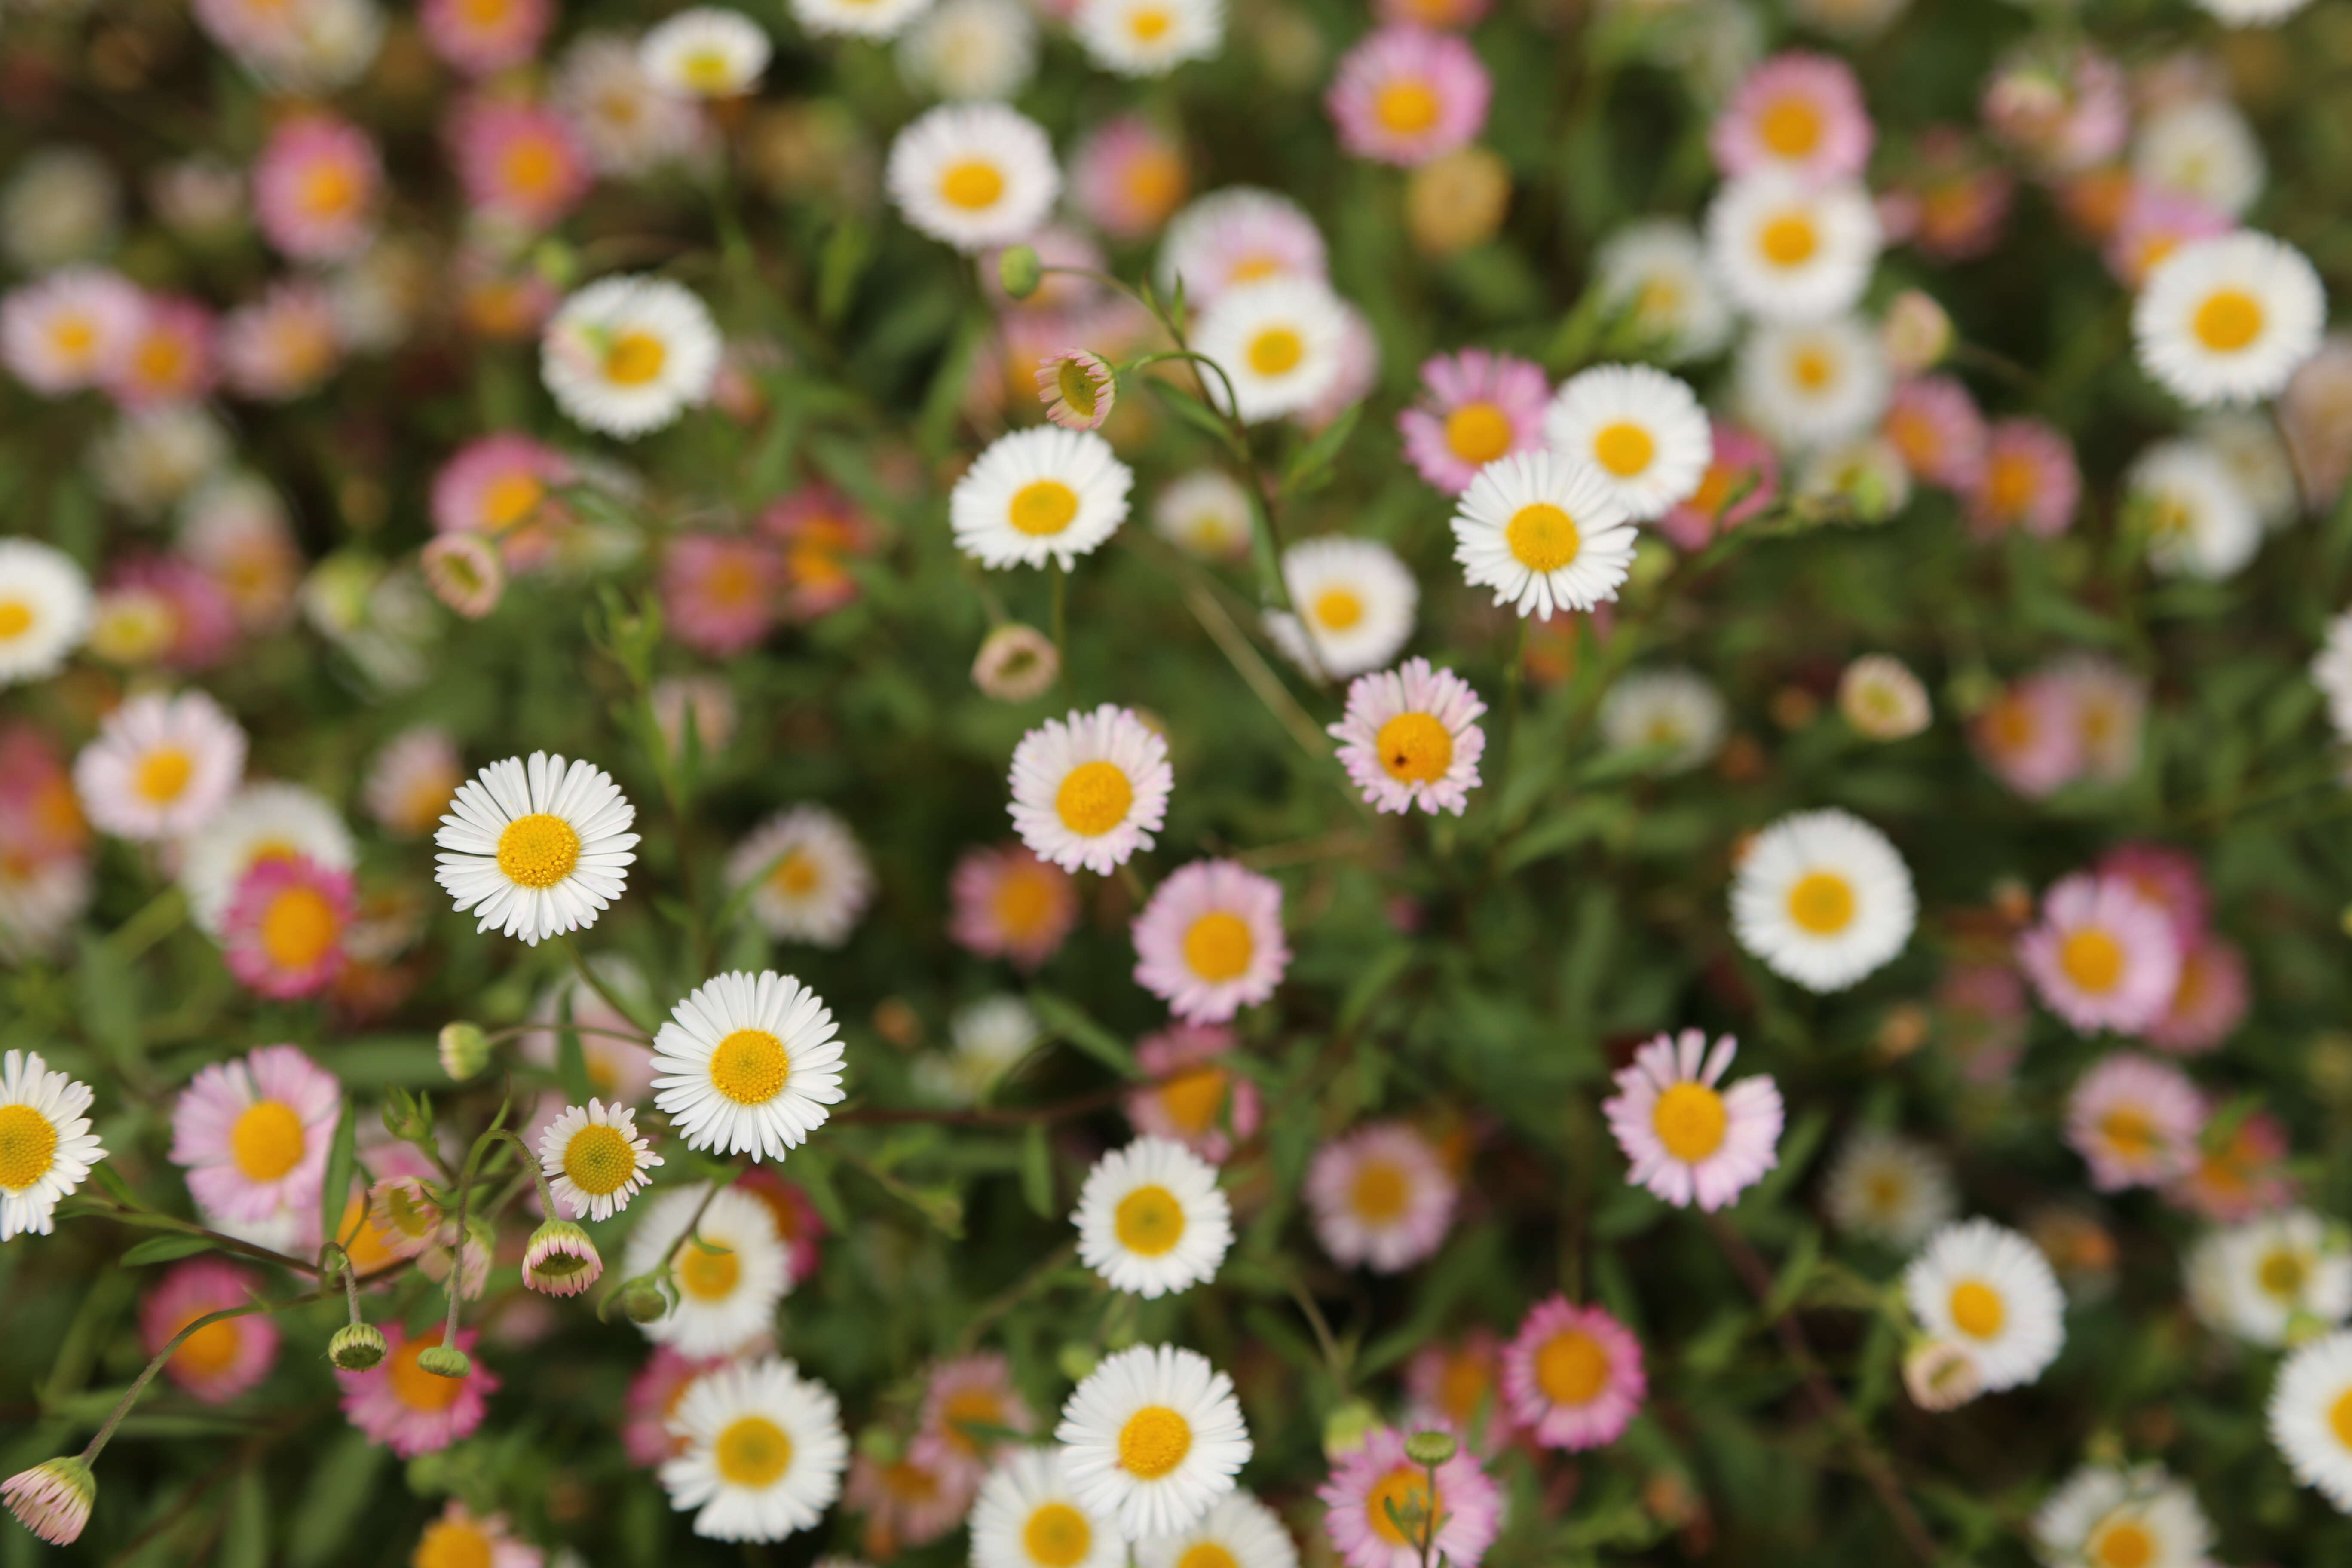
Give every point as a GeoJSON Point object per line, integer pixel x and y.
{"type": "Point", "coordinates": [164, 1250]}
{"type": "Point", "coordinates": [245, 1538]}
{"type": "Point", "coordinates": [1037, 1170]}
{"type": "Point", "coordinates": [1066, 1020]}
{"type": "Point", "coordinates": [334, 1495]}
{"type": "Point", "coordinates": [342, 1157]}
{"type": "Point", "coordinates": [1313, 461]}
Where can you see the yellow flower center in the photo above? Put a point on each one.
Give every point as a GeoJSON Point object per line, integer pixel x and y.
{"type": "Point", "coordinates": [1571, 1368]}
{"type": "Point", "coordinates": [362, 1237]}
{"type": "Point", "coordinates": [705, 1274]}
{"type": "Point", "coordinates": [973, 185]}
{"type": "Point", "coordinates": [1076, 386]}
{"type": "Point", "coordinates": [73, 336]}
{"type": "Point", "coordinates": [1206, 1555]}
{"type": "Point", "coordinates": [1623, 448]}
{"type": "Point", "coordinates": [208, 1351]}
{"type": "Point", "coordinates": [483, 13]}
{"type": "Point", "coordinates": [329, 190]}
{"type": "Point", "coordinates": [2339, 1417]}
{"type": "Point", "coordinates": [1043, 507]}
{"type": "Point", "coordinates": [413, 1385]}
{"type": "Point", "coordinates": [2126, 1544]}
{"type": "Point", "coordinates": [538, 850]}
{"type": "Point", "coordinates": [1821, 904]}
{"type": "Point", "coordinates": [970, 1406]}
{"type": "Point", "coordinates": [1407, 1490]}
{"type": "Point", "coordinates": [1024, 902]}
{"type": "Point", "coordinates": [1977, 1310]}
{"type": "Point", "coordinates": [1337, 609]}
{"type": "Point", "coordinates": [2130, 1131]}
{"type": "Point", "coordinates": [1276, 351]}
{"type": "Point", "coordinates": [632, 359]}
{"type": "Point", "coordinates": [1150, 24]}
{"type": "Point", "coordinates": [1478, 433]}
{"type": "Point", "coordinates": [453, 1543]}
{"type": "Point", "coordinates": [1057, 1536]}
{"type": "Point", "coordinates": [1462, 1388]}
{"type": "Point", "coordinates": [796, 875]}
{"type": "Point", "coordinates": [531, 166]}
{"type": "Point", "coordinates": [1219, 946]}
{"type": "Point", "coordinates": [2091, 959]}
{"type": "Point", "coordinates": [1380, 1194]}
{"type": "Point", "coordinates": [28, 1143]}
{"type": "Point", "coordinates": [15, 620]}
{"type": "Point", "coordinates": [162, 774]}
{"type": "Point", "coordinates": [1093, 799]}
{"type": "Point", "coordinates": [1407, 106]}
{"type": "Point", "coordinates": [1192, 1100]}
{"type": "Point", "coordinates": [2228, 320]}
{"type": "Point", "coordinates": [266, 1141]}
{"type": "Point", "coordinates": [598, 1160]}
{"type": "Point", "coordinates": [1813, 369]}
{"type": "Point", "coordinates": [1790, 127]}
{"type": "Point", "coordinates": [750, 1067]}
{"type": "Point", "coordinates": [1689, 1119]}
{"type": "Point", "coordinates": [1542, 537]}
{"type": "Point", "coordinates": [1789, 240]}
{"type": "Point", "coordinates": [2282, 1274]}
{"type": "Point", "coordinates": [1415, 748]}
{"type": "Point", "coordinates": [1149, 1221]}
{"type": "Point", "coordinates": [753, 1452]}
{"type": "Point", "coordinates": [511, 498]}
{"type": "Point", "coordinates": [707, 71]}
{"type": "Point", "coordinates": [299, 928]}
{"type": "Point", "coordinates": [1153, 1442]}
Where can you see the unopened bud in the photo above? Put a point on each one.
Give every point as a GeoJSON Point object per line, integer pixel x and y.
{"type": "Point", "coordinates": [356, 1347]}
{"type": "Point", "coordinates": [53, 1499]}
{"type": "Point", "coordinates": [465, 1051]}
{"type": "Point", "coordinates": [1076, 1362]}
{"type": "Point", "coordinates": [1020, 271]}
{"type": "Point", "coordinates": [1941, 1375]}
{"type": "Point", "coordinates": [1430, 1449]}
{"type": "Point", "coordinates": [642, 1300]}
{"type": "Point", "coordinates": [881, 1445]}
{"type": "Point", "coordinates": [1916, 333]}
{"type": "Point", "coordinates": [1347, 1428]}
{"type": "Point", "coordinates": [445, 1361]}
{"type": "Point", "coordinates": [1017, 663]}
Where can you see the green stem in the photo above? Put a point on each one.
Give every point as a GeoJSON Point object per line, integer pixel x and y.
{"type": "Point", "coordinates": [589, 978]}
{"type": "Point", "coordinates": [1514, 679]}
{"type": "Point", "coordinates": [1061, 625]}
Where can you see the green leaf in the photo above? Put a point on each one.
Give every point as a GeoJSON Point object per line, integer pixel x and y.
{"type": "Point", "coordinates": [1312, 463]}
{"type": "Point", "coordinates": [1195, 413]}
{"type": "Point", "coordinates": [245, 1538]}
{"type": "Point", "coordinates": [1037, 1170]}
{"type": "Point", "coordinates": [1068, 1021]}
{"type": "Point", "coordinates": [572, 1057]}
{"type": "Point", "coordinates": [164, 1250]}
{"type": "Point", "coordinates": [334, 1495]}
{"type": "Point", "coordinates": [384, 1061]}
{"type": "Point", "coordinates": [342, 1156]}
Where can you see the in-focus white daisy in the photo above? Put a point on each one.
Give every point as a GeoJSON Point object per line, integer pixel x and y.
{"type": "Point", "coordinates": [747, 1063]}
{"type": "Point", "coordinates": [1205, 513]}
{"type": "Point", "coordinates": [1238, 1531]}
{"type": "Point", "coordinates": [2273, 1279]}
{"type": "Point", "coordinates": [974, 175]}
{"type": "Point", "coordinates": [1280, 341]}
{"type": "Point", "coordinates": [2229, 319]}
{"type": "Point", "coordinates": [161, 766]}
{"type": "Point", "coordinates": [1152, 1220]}
{"type": "Point", "coordinates": [261, 822]}
{"type": "Point", "coordinates": [2107, 1515]}
{"type": "Point", "coordinates": [45, 609]}
{"type": "Point", "coordinates": [1544, 532]}
{"type": "Point", "coordinates": [2201, 147]}
{"type": "Point", "coordinates": [593, 1159]}
{"type": "Point", "coordinates": [46, 1145]}
{"type": "Point", "coordinates": [2200, 520]}
{"type": "Point", "coordinates": [1822, 899]}
{"type": "Point", "coordinates": [1152, 1437]}
{"type": "Point", "coordinates": [858, 19]}
{"type": "Point", "coordinates": [1656, 271]}
{"type": "Point", "coordinates": [539, 847]}
{"type": "Point", "coordinates": [1988, 1290]}
{"type": "Point", "coordinates": [1091, 789]}
{"type": "Point", "coordinates": [726, 1278]}
{"type": "Point", "coordinates": [1028, 1515]}
{"type": "Point", "coordinates": [764, 1451]}
{"type": "Point", "coordinates": [1642, 429]}
{"type": "Point", "coordinates": [1040, 494]}
{"type": "Point", "coordinates": [705, 51]}
{"type": "Point", "coordinates": [1802, 386]}
{"type": "Point", "coordinates": [1149, 37]}
{"type": "Point", "coordinates": [971, 49]}
{"type": "Point", "coordinates": [1355, 599]}
{"type": "Point", "coordinates": [809, 880]}
{"type": "Point", "coordinates": [1677, 709]}
{"type": "Point", "coordinates": [2310, 1417]}
{"type": "Point", "coordinates": [1889, 1189]}
{"type": "Point", "coordinates": [629, 354]}
{"type": "Point", "coordinates": [1792, 249]}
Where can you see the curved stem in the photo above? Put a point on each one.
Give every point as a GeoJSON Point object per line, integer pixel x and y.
{"type": "Point", "coordinates": [595, 983]}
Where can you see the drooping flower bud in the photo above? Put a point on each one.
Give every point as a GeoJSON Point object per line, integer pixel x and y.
{"type": "Point", "coordinates": [560, 1259]}
{"type": "Point", "coordinates": [1020, 271]}
{"type": "Point", "coordinates": [356, 1347]}
{"type": "Point", "coordinates": [465, 1050]}
{"type": "Point", "coordinates": [1430, 1449]}
{"type": "Point", "coordinates": [445, 1361]}
{"type": "Point", "coordinates": [642, 1300]}
{"type": "Point", "coordinates": [53, 1499]}
{"type": "Point", "coordinates": [1017, 663]}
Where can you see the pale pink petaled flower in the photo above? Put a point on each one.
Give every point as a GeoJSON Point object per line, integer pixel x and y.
{"type": "Point", "coordinates": [1457, 1384]}
{"type": "Point", "coordinates": [465, 572]}
{"type": "Point", "coordinates": [519, 164]}
{"type": "Point", "coordinates": [404, 1217]}
{"type": "Point", "coordinates": [2028, 738]}
{"type": "Point", "coordinates": [170, 356]}
{"type": "Point", "coordinates": [2155, 222]}
{"type": "Point", "coordinates": [1405, 95]}
{"type": "Point", "coordinates": [252, 1133]}
{"type": "Point", "coordinates": [1238, 234]}
{"type": "Point", "coordinates": [819, 530]}
{"type": "Point", "coordinates": [1799, 111]}
{"type": "Point", "coordinates": [2064, 110]}
{"type": "Point", "coordinates": [316, 187]}
{"type": "Point", "coordinates": [2314, 418]}
{"type": "Point", "coordinates": [2168, 879]}
{"type": "Point", "coordinates": [1455, 14]}
{"type": "Point", "coordinates": [501, 485]}
{"type": "Point", "coordinates": [1688, 1141]}
{"type": "Point", "coordinates": [1742, 479]}
{"type": "Point", "coordinates": [52, 1500]}
{"type": "Point", "coordinates": [2031, 481]}
{"type": "Point", "coordinates": [1077, 389]}
{"type": "Point", "coordinates": [630, 126]}
{"type": "Point", "coordinates": [2209, 1001]}
{"type": "Point", "coordinates": [653, 1400]}
{"type": "Point", "coordinates": [1364, 1484]}
{"type": "Point", "coordinates": [2103, 957]}
{"type": "Point", "coordinates": [2242, 1178]}
{"type": "Point", "coordinates": [482, 37]}
{"type": "Point", "coordinates": [202, 624]}
{"type": "Point", "coordinates": [1474, 408]}
{"type": "Point", "coordinates": [1410, 737]}
{"type": "Point", "coordinates": [799, 1227]}
{"type": "Point", "coordinates": [410, 782]}
{"type": "Point", "coordinates": [1934, 425]}
{"type": "Point", "coordinates": [1383, 1197]}
{"type": "Point", "coordinates": [69, 329]}
{"type": "Point", "coordinates": [910, 1500]}
{"type": "Point", "coordinates": [219, 1361]}
{"type": "Point", "coordinates": [721, 591]}
{"type": "Point", "coordinates": [1010, 904]}
{"type": "Point", "coordinates": [2134, 1121]}
{"type": "Point", "coordinates": [281, 345]}
{"type": "Point", "coordinates": [1210, 943]}
{"type": "Point", "coordinates": [463, 1539]}
{"type": "Point", "coordinates": [2109, 708]}
{"type": "Point", "coordinates": [576, 1265]}
{"type": "Point", "coordinates": [1127, 176]}
{"type": "Point", "coordinates": [410, 1410]}
{"type": "Point", "coordinates": [161, 766]}
{"type": "Point", "coordinates": [235, 528]}
{"type": "Point", "coordinates": [1195, 1103]}
{"type": "Point", "coordinates": [971, 1391]}
{"type": "Point", "coordinates": [282, 933]}
{"type": "Point", "coordinates": [1574, 1375]}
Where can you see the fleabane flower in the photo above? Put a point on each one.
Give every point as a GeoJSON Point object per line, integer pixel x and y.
{"type": "Point", "coordinates": [747, 1063]}
{"type": "Point", "coordinates": [47, 1148]}
{"type": "Point", "coordinates": [1678, 712]}
{"type": "Point", "coordinates": [2102, 956]}
{"type": "Point", "coordinates": [160, 767]}
{"type": "Point", "coordinates": [1381, 1196]}
{"type": "Point", "coordinates": [1149, 37]}
{"type": "Point", "coordinates": [1152, 1219]}
{"type": "Point", "coordinates": [1792, 249]}
{"type": "Point", "coordinates": [220, 1361]}
{"type": "Point", "coordinates": [594, 1160]}
{"type": "Point", "coordinates": [629, 354]}
{"type": "Point", "coordinates": [1238, 235]}
{"type": "Point", "coordinates": [973, 175]}
{"type": "Point", "coordinates": [2134, 1121]}
{"type": "Point", "coordinates": [705, 51]}
{"type": "Point", "coordinates": [1934, 423]}
{"type": "Point", "coordinates": [808, 879]}
{"type": "Point", "coordinates": [1889, 1189]}
{"type": "Point", "coordinates": [1641, 429]}
{"type": "Point", "coordinates": [2229, 319]}
{"type": "Point", "coordinates": [1206, 514]}
{"type": "Point", "coordinates": [1804, 385]}
{"type": "Point", "coordinates": [538, 848]}
{"type": "Point", "coordinates": [1279, 342]}
{"type": "Point", "coordinates": [521, 164]}
{"type": "Point", "coordinates": [765, 1452]}
{"type": "Point", "coordinates": [1353, 601]}
{"type": "Point", "coordinates": [252, 1133]}
{"type": "Point", "coordinates": [1151, 1438]}
{"type": "Point", "coordinates": [2107, 1515]}
{"type": "Point", "coordinates": [461, 1538]}
{"type": "Point", "coordinates": [316, 187]}
{"type": "Point", "coordinates": [410, 1410]}
{"type": "Point", "coordinates": [1544, 532]}
{"type": "Point", "coordinates": [1574, 1375]}
{"type": "Point", "coordinates": [483, 36]}
{"type": "Point", "coordinates": [1823, 899]}
{"type": "Point", "coordinates": [262, 823]}
{"type": "Point", "coordinates": [1991, 1292]}
{"type": "Point", "coordinates": [1474, 407]}
{"type": "Point", "coordinates": [1410, 737]}
{"type": "Point", "coordinates": [2310, 1417]}
{"type": "Point", "coordinates": [1799, 112]}
{"type": "Point", "coordinates": [2266, 1279]}
{"type": "Point", "coordinates": [725, 1276]}
{"type": "Point", "coordinates": [1405, 95]}
{"type": "Point", "coordinates": [1029, 1515]}
{"type": "Point", "coordinates": [1210, 940]}
{"type": "Point", "coordinates": [1091, 789]}
{"type": "Point", "coordinates": [1077, 388]}
{"type": "Point", "coordinates": [1381, 1478]}
{"type": "Point", "coordinates": [69, 329]}
{"type": "Point", "coordinates": [283, 933]}
{"type": "Point", "coordinates": [858, 19]}
{"type": "Point", "coordinates": [1046, 493]}
{"type": "Point", "coordinates": [53, 1499]}
{"type": "Point", "coordinates": [1010, 904]}
{"type": "Point", "coordinates": [1882, 699]}
{"type": "Point", "coordinates": [45, 609]}
{"type": "Point", "coordinates": [968, 1405]}
{"type": "Point", "coordinates": [2201, 522]}
{"type": "Point", "coordinates": [1688, 1139]}
{"type": "Point", "coordinates": [1238, 1531]}
{"type": "Point", "coordinates": [1194, 1101]}
{"type": "Point", "coordinates": [560, 1259]}
{"type": "Point", "coordinates": [1655, 272]}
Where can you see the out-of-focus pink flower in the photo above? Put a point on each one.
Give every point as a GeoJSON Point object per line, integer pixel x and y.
{"type": "Point", "coordinates": [819, 530]}
{"type": "Point", "coordinates": [1127, 176]}
{"type": "Point", "coordinates": [2135, 1122]}
{"type": "Point", "coordinates": [1205, 1107]}
{"type": "Point", "coordinates": [281, 345]}
{"type": "Point", "coordinates": [1935, 425]}
{"type": "Point", "coordinates": [203, 625]}
{"type": "Point", "coordinates": [1367, 1484]}
{"type": "Point", "coordinates": [518, 162]}
{"type": "Point", "coordinates": [2031, 481]}
{"type": "Point", "coordinates": [1797, 111]}
{"type": "Point", "coordinates": [480, 36]}
{"type": "Point", "coordinates": [2103, 957]}
{"type": "Point", "coordinates": [282, 933]}
{"type": "Point", "coordinates": [170, 356]}
{"type": "Point", "coordinates": [721, 591]}
{"type": "Point", "coordinates": [2245, 1175]}
{"type": "Point", "coordinates": [2063, 111]}
{"type": "Point", "coordinates": [499, 486]}
{"type": "Point", "coordinates": [1574, 1375]}
{"type": "Point", "coordinates": [219, 1361]}
{"type": "Point", "coordinates": [1405, 95]}
{"type": "Point", "coordinates": [2155, 222]}
{"type": "Point", "coordinates": [316, 187]}
{"type": "Point", "coordinates": [1474, 408]}
{"type": "Point", "coordinates": [399, 1404]}
{"type": "Point", "coordinates": [2209, 1001]}
{"type": "Point", "coordinates": [1010, 904]}
{"type": "Point", "coordinates": [1742, 479]}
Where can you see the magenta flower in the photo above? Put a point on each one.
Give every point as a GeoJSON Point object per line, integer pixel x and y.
{"type": "Point", "coordinates": [2103, 957]}
{"type": "Point", "coordinates": [1799, 112]}
{"type": "Point", "coordinates": [1405, 95]}
{"type": "Point", "coordinates": [283, 932]}
{"type": "Point", "coordinates": [219, 1361]}
{"type": "Point", "coordinates": [411, 1411]}
{"type": "Point", "coordinates": [1474, 407]}
{"type": "Point", "coordinates": [2134, 1121]}
{"type": "Point", "coordinates": [1366, 1484]}
{"type": "Point", "coordinates": [1574, 1375]}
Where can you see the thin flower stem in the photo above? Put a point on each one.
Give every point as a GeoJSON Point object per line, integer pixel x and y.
{"type": "Point", "coordinates": [151, 1220]}
{"type": "Point", "coordinates": [1332, 1355]}
{"type": "Point", "coordinates": [1514, 678]}
{"type": "Point", "coordinates": [538, 1173]}
{"type": "Point", "coordinates": [1061, 625]}
{"type": "Point", "coordinates": [1255, 672]}
{"type": "Point", "coordinates": [596, 983]}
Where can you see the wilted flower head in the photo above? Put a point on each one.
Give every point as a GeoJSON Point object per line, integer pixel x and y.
{"type": "Point", "coordinates": [1077, 388]}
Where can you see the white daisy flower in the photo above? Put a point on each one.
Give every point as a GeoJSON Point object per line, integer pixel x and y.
{"type": "Point", "coordinates": [2311, 1416]}
{"type": "Point", "coordinates": [2107, 1516]}
{"type": "Point", "coordinates": [1281, 343]}
{"type": "Point", "coordinates": [1680, 709]}
{"type": "Point", "coordinates": [2201, 523]}
{"type": "Point", "coordinates": [1822, 899]}
{"type": "Point", "coordinates": [1655, 269]}
{"type": "Point", "coordinates": [809, 880]}
{"type": "Point", "coordinates": [626, 355]}
{"type": "Point", "coordinates": [858, 19]}
{"type": "Point", "coordinates": [2202, 147]}
{"type": "Point", "coordinates": [764, 1451]}
{"type": "Point", "coordinates": [1044, 493]}
{"type": "Point", "coordinates": [1205, 513]}
{"type": "Point", "coordinates": [1356, 599]}
{"type": "Point", "coordinates": [1238, 1531]}
{"type": "Point", "coordinates": [1028, 1515]}
{"type": "Point", "coordinates": [1792, 249]}
{"type": "Point", "coordinates": [1153, 1437]}
{"type": "Point", "coordinates": [46, 1145]}
{"type": "Point", "coordinates": [2229, 319]}
{"type": "Point", "coordinates": [974, 175]}
{"type": "Point", "coordinates": [161, 766]}
{"type": "Point", "coordinates": [986, 1040]}
{"type": "Point", "coordinates": [1988, 1290]}
{"type": "Point", "coordinates": [1641, 429]}
{"type": "Point", "coordinates": [1803, 385]}
{"type": "Point", "coordinates": [2269, 1280]}
{"type": "Point", "coordinates": [705, 51]}
{"type": "Point", "coordinates": [972, 51]}
{"type": "Point", "coordinates": [726, 1278]}
{"type": "Point", "coordinates": [747, 1063]}
{"type": "Point", "coordinates": [261, 822]}
{"type": "Point", "coordinates": [1149, 37]}
{"type": "Point", "coordinates": [2251, 13]}
{"type": "Point", "coordinates": [1544, 532]}
{"type": "Point", "coordinates": [45, 609]}
{"type": "Point", "coordinates": [1152, 1220]}
{"type": "Point", "coordinates": [1091, 789]}
{"type": "Point", "coordinates": [593, 1159]}
{"type": "Point", "coordinates": [1889, 1189]}
{"type": "Point", "coordinates": [1237, 234]}
{"type": "Point", "coordinates": [69, 329]}
{"type": "Point", "coordinates": [2248, 443]}
{"type": "Point", "coordinates": [628, 126]}
{"type": "Point", "coordinates": [539, 848]}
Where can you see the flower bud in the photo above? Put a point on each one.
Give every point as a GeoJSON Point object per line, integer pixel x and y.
{"type": "Point", "coordinates": [445, 1361]}
{"type": "Point", "coordinates": [1916, 331]}
{"type": "Point", "coordinates": [1430, 1449]}
{"type": "Point", "coordinates": [406, 1118]}
{"type": "Point", "coordinates": [560, 1259]}
{"type": "Point", "coordinates": [1077, 389]}
{"type": "Point", "coordinates": [356, 1347]}
{"type": "Point", "coordinates": [1020, 271]}
{"type": "Point", "coordinates": [1347, 1427]}
{"type": "Point", "coordinates": [465, 1051]}
{"type": "Point", "coordinates": [1017, 663]}
{"type": "Point", "coordinates": [53, 1499]}
{"type": "Point", "coordinates": [1076, 1362]}
{"type": "Point", "coordinates": [881, 1445]}
{"type": "Point", "coordinates": [465, 572]}
{"type": "Point", "coordinates": [1882, 699]}
{"type": "Point", "coordinates": [1941, 1375]}
{"type": "Point", "coordinates": [642, 1300]}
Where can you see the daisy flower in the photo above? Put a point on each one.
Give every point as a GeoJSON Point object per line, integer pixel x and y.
{"type": "Point", "coordinates": [1152, 1219]}
{"type": "Point", "coordinates": [1029, 1514]}
{"type": "Point", "coordinates": [1149, 37]}
{"type": "Point", "coordinates": [1279, 342]}
{"type": "Point", "coordinates": [1792, 249]}
{"type": "Point", "coordinates": [519, 164]}
{"type": "Point", "coordinates": [1234, 236]}
{"type": "Point", "coordinates": [593, 1159]}
{"type": "Point", "coordinates": [1378, 1478]}
{"type": "Point", "coordinates": [1574, 1375]}
{"type": "Point", "coordinates": [170, 356]}
{"type": "Point", "coordinates": [719, 591]}
{"type": "Point", "coordinates": [539, 848]}
{"type": "Point", "coordinates": [462, 1539]}
{"type": "Point", "coordinates": [46, 1145]}
{"type": "Point", "coordinates": [765, 1452]}
{"type": "Point", "coordinates": [1405, 95]}
{"type": "Point", "coordinates": [1127, 176]}
{"type": "Point", "coordinates": [2109, 704]}
{"type": "Point", "coordinates": [968, 1404]}
{"type": "Point", "coordinates": [1990, 1291]}
{"type": "Point", "coordinates": [412, 781]}
{"type": "Point", "coordinates": [1210, 940]}
{"type": "Point", "coordinates": [482, 37]}
{"type": "Point", "coordinates": [629, 354]}
{"type": "Point", "coordinates": [2200, 146]}
{"type": "Point", "coordinates": [2134, 1121]}
{"type": "Point", "coordinates": [2310, 1417]}
{"type": "Point", "coordinates": [1010, 904]}
{"type": "Point", "coordinates": [1044, 493]}
{"type": "Point", "coordinates": [2106, 1516]}
{"type": "Point", "coordinates": [1195, 1101]}
{"type": "Point", "coordinates": [1238, 1531]}
{"type": "Point", "coordinates": [2267, 1278]}
{"type": "Point", "coordinates": [653, 1398]}
{"type": "Point", "coordinates": [45, 610]}
{"type": "Point", "coordinates": [2201, 522]}
{"type": "Point", "coordinates": [1803, 385]}
{"type": "Point", "coordinates": [1655, 271]}
{"type": "Point", "coordinates": [1889, 1189]}
{"type": "Point", "coordinates": [261, 824]}
{"type": "Point", "coordinates": [1686, 1139]}
{"type": "Point", "coordinates": [1205, 513]}
{"type": "Point", "coordinates": [2228, 320]}
{"type": "Point", "coordinates": [1357, 599]}
{"type": "Point", "coordinates": [2251, 13]}
{"type": "Point", "coordinates": [69, 329]}
{"type": "Point", "coordinates": [858, 19]}
{"type": "Point", "coordinates": [1933, 422]}
{"type": "Point", "coordinates": [1798, 113]}
{"type": "Point", "coordinates": [1545, 532]}
{"type": "Point", "coordinates": [1151, 1438]}
{"type": "Point", "coordinates": [1091, 789]}
{"type": "Point", "coordinates": [1410, 737]}
{"type": "Point", "coordinates": [1456, 1384]}
{"type": "Point", "coordinates": [316, 187]}
{"type": "Point", "coordinates": [973, 175]}
{"type": "Point", "coordinates": [747, 1063]}
{"type": "Point", "coordinates": [906, 1501]}
{"type": "Point", "coordinates": [1882, 699]}
{"type": "Point", "coordinates": [1675, 709]}
{"type": "Point", "coordinates": [705, 51]}
{"type": "Point", "coordinates": [809, 880]}
{"type": "Point", "coordinates": [252, 1133]}
{"type": "Point", "coordinates": [629, 126]}
{"type": "Point", "coordinates": [410, 1410]}
{"type": "Point", "coordinates": [2029, 481]}
{"type": "Point", "coordinates": [2027, 736]}
{"type": "Point", "coordinates": [219, 1361]}
{"type": "Point", "coordinates": [724, 1278]}
{"type": "Point", "coordinates": [1641, 429]}
{"type": "Point", "coordinates": [285, 343]}
{"type": "Point", "coordinates": [160, 767]}
{"type": "Point", "coordinates": [1474, 407]}
{"type": "Point", "coordinates": [987, 1040]}
{"type": "Point", "coordinates": [2103, 957]}
{"type": "Point", "coordinates": [283, 934]}
{"type": "Point", "coordinates": [971, 49]}
{"type": "Point", "coordinates": [1822, 899]}
{"type": "Point", "coordinates": [1742, 481]}
{"type": "Point", "coordinates": [501, 485]}
{"type": "Point", "coordinates": [1381, 1198]}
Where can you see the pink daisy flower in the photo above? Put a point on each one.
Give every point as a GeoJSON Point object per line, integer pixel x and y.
{"type": "Point", "coordinates": [1410, 737]}
{"type": "Point", "coordinates": [653, 1400]}
{"type": "Point", "coordinates": [461, 1539]}
{"type": "Point", "coordinates": [219, 1361]}
{"type": "Point", "coordinates": [1127, 176]}
{"type": "Point", "coordinates": [2108, 705]}
{"type": "Point", "coordinates": [519, 162]}
{"type": "Point", "coordinates": [2063, 111]}
{"type": "Point", "coordinates": [501, 485]}
{"type": "Point", "coordinates": [1365, 1484]}
{"type": "Point", "coordinates": [1933, 424]}
{"type": "Point", "coordinates": [69, 329]}
{"type": "Point", "coordinates": [1458, 1384]}
{"type": "Point", "coordinates": [1238, 235]}
{"type": "Point", "coordinates": [2030, 481]}
{"type": "Point", "coordinates": [1799, 112]}
{"type": "Point", "coordinates": [1574, 1375]}
{"type": "Point", "coordinates": [482, 37]}
{"type": "Point", "coordinates": [799, 1227]}
{"type": "Point", "coordinates": [2243, 1178]}
{"type": "Point", "coordinates": [907, 1501]}
{"type": "Point", "coordinates": [1383, 1197]}
{"type": "Point", "coordinates": [1010, 904]}
{"type": "Point", "coordinates": [1686, 1139]}
{"type": "Point", "coordinates": [1405, 95]}
{"type": "Point", "coordinates": [721, 591]}
{"type": "Point", "coordinates": [1474, 407]}
{"type": "Point", "coordinates": [316, 187]}
{"type": "Point", "coordinates": [819, 530]}
{"type": "Point", "coordinates": [283, 932]}
{"type": "Point", "coordinates": [281, 345]}
{"type": "Point", "coordinates": [1453, 14]}
{"type": "Point", "coordinates": [2029, 737]}
{"type": "Point", "coordinates": [203, 618]}
{"type": "Point", "coordinates": [1209, 942]}
{"type": "Point", "coordinates": [2166, 878]}
{"type": "Point", "coordinates": [161, 766]}
{"type": "Point", "coordinates": [2208, 1002]}
{"type": "Point", "coordinates": [410, 1410]}
{"type": "Point", "coordinates": [2153, 224]}
{"type": "Point", "coordinates": [1742, 478]}
{"type": "Point", "coordinates": [2134, 1121]}
{"type": "Point", "coordinates": [2102, 956]}
{"type": "Point", "coordinates": [965, 1393]}
{"type": "Point", "coordinates": [500, 297]}
{"type": "Point", "coordinates": [170, 356]}
{"type": "Point", "coordinates": [1194, 1102]}
{"type": "Point", "coordinates": [252, 1133]}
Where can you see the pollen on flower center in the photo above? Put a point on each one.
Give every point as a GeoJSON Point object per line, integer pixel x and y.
{"type": "Point", "coordinates": [972, 185]}
{"type": "Point", "coordinates": [28, 1143]}
{"type": "Point", "coordinates": [1379, 1193]}
{"type": "Point", "coordinates": [1153, 1442]}
{"type": "Point", "coordinates": [1276, 351]}
{"type": "Point", "coordinates": [538, 850]}
{"type": "Point", "coordinates": [299, 928]}
{"type": "Point", "coordinates": [1690, 1119]}
{"type": "Point", "coordinates": [2282, 1274]}
{"type": "Point", "coordinates": [1977, 1310]}
{"type": "Point", "coordinates": [598, 1160]}
{"type": "Point", "coordinates": [15, 620]}
{"type": "Point", "coordinates": [1821, 904]}
{"type": "Point", "coordinates": [2228, 320]}
{"type": "Point", "coordinates": [1337, 609]}
{"type": "Point", "coordinates": [266, 1141]}
{"type": "Point", "coordinates": [509, 499]}
{"type": "Point", "coordinates": [1150, 24]}
{"type": "Point", "coordinates": [1407, 1492]}
{"type": "Point", "coordinates": [753, 1452]}
{"type": "Point", "coordinates": [451, 1543]}
{"type": "Point", "coordinates": [1790, 127]}
{"type": "Point", "coordinates": [750, 1067]}
{"type": "Point", "coordinates": [1478, 433]}
{"type": "Point", "coordinates": [163, 775]}
{"type": "Point", "coordinates": [1407, 106]}
{"type": "Point", "coordinates": [1542, 537]}
{"type": "Point", "coordinates": [1043, 507]}
{"type": "Point", "coordinates": [1207, 1554]}
{"type": "Point", "coordinates": [1093, 798]}
{"type": "Point", "coordinates": [2091, 959]}
{"type": "Point", "coordinates": [1149, 1221]}
{"type": "Point", "coordinates": [1057, 1536]}
{"type": "Point", "coordinates": [1623, 448]}
{"type": "Point", "coordinates": [632, 359]}
{"type": "Point", "coordinates": [2339, 1417]}
{"type": "Point", "coordinates": [1415, 748]}
{"type": "Point", "coordinates": [1571, 1368]}
{"type": "Point", "coordinates": [2124, 1544]}
{"type": "Point", "coordinates": [1789, 240]}
{"type": "Point", "coordinates": [1219, 947]}
{"type": "Point", "coordinates": [2130, 1130]}
{"type": "Point", "coordinates": [707, 1275]}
